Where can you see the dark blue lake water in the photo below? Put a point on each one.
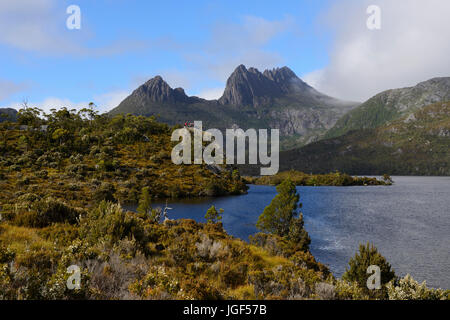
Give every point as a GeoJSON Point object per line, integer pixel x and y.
{"type": "Point", "coordinates": [408, 222]}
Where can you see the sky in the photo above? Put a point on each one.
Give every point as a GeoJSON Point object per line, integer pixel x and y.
{"type": "Point", "coordinates": [197, 44]}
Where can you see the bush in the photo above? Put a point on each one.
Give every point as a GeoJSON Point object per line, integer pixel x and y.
{"type": "Point", "coordinates": [212, 216]}
{"type": "Point", "coordinates": [214, 189]}
{"type": "Point", "coordinates": [369, 255]}
{"type": "Point", "coordinates": [109, 222]}
{"type": "Point", "coordinates": [47, 211]}
{"type": "Point", "coordinates": [410, 289]}
{"type": "Point", "coordinates": [105, 192]}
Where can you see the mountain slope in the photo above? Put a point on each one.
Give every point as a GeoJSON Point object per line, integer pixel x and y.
{"type": "Point", "coordinates": [8, 114]}
{"type": "Point", "coordinates": [275, 98]}
{"type": "Point", "coordinates": [391, 105]}
{"type": "Point", "coordinates": [417, 144]}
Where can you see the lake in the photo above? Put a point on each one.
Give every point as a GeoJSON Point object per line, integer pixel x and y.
{"type": "Point", "coordinates": [409, 222]}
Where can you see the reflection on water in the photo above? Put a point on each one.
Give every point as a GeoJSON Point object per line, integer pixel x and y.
{"type": "Point", "coordinates": [408, 222]}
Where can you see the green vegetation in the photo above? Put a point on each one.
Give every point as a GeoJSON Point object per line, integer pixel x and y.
{"type": "Point", "coordinates": [60, 206]}
{"type": "Point", "coordinates": [124, 255]}
{"type": "Point", "coordinates": [331, 179]}
{"type": "Point", "coordinates": [213, 216]}
{"type": "Point", "coordinates": [280, 216]}
{"type": "Point", "coordinates": [368, 255]}
{"type": "Point", "coordinates": [353, 284]}
{"type": "Point", "coordinates": [74, 160]}
{"type": "Point", "coordinates": [392, 105]}
{"type": "Point", "coordinates": [371, 114]}
{"type": "Point", "coordinates": [417, 144]}
{"type": "Point", "coordinates": [410, 289]}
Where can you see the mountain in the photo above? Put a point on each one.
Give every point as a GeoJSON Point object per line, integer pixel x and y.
{"type": "Point", "coordinates": [415, 144]}
{"type": "Point", "coordinates": [391, 105]}
{"type": "Point", "coordinates": [8, 114]}
{"type": "Point", "coordinates": [275, 98]}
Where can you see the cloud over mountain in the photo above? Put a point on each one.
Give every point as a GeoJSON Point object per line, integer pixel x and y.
{"type": "Point", "coordinates": [412, 45]}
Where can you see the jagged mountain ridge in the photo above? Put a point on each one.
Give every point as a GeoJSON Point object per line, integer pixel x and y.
{"type": "Point", "coordinates": [275, 98]}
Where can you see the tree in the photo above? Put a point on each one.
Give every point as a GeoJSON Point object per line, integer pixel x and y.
{"type": "Point", "coordinates": [279, 216]}
{"type": "Point", "coordinates": [145, 206]}
{"type": "Point", "coordinates": [212, 216]}
{"type": "Point", "coordinates": [145, 201]}
{"type": "Point", "coordinates": [368, 255]}
{"type": "Point", "coordinates": [298, 234]}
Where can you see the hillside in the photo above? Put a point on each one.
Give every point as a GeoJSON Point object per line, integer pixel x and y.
{"type": "Point", "coordinates": [62, 189]}
{"type": "Point", "coordinates": [8, 114]}
{"type": "Point", "coordinates": [391, 105]}
{"type": "Point", "coordinates": [275, 98]}
{"type": "Point", "coordinates": [83, 158]}
{"type": "Point", "coordinates": [417, 144]}
{"type": "Point", "coordinates": [60, 205]}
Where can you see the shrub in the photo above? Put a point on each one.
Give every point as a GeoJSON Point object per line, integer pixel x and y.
{"type": "Point", "coordinates": [214, 189]}
{"type": "Point", "coordinates": [410, 289]}
{"type": "Point", "coordinates": [235, 275]}
{"type": "Point", "coordinates": [357, 271]}
{"type": "Point", "coordinates": [213, 216]}
{"type": "Point", "coordinates": [109, 222]}
{"type": "Point", "coordinates": [47, 211]}
{"type": "Point", "coordinates": [105, 192]}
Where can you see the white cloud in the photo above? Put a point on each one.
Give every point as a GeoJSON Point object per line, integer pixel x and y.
{"type": "Point", "coordinates": [211, 94]}
{"type": "Point", "coordinates": [39, 26]}
{"type": "Point", "coordinates": [232, 44]}
{"type": "Point", "coordinates": [107, 101]}
{"type": "Point", "coordinates": [8, 88]}
{"type": "Point", "coordinates": [50, 103]}
{"type": "Point", "coordinates": [103, 102]}
{"type": "Point", "coordinates": [412, 46]}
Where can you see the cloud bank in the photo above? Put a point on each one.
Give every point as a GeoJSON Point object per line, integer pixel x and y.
{"type": "Point", "coordinates": [412, 46]}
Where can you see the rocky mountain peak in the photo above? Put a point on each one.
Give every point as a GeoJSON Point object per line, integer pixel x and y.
{"type": "Point", "coordinates": [157, 90]}
{"type": "Point", "coordinates": [248, 87]}
{"type": "Point", "coordinates": [251, 87]}
{"type": "Point", "coordinates": [280, 74]}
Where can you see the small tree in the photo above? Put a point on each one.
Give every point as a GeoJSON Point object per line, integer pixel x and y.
{"type": "Point", "coordinates": [212, 216]}
{"type": "Point", "coordinates": [298, 234]}
{"type": "Point", "coordinates": [144, 206]}
{"type": "Point", "coordinates": [369, 255]}
{"type": "Point", "coordinates": [280, 213]}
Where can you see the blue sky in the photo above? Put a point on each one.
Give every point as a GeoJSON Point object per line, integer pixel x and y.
{"type": "Point", "coordinates": [197, 44]}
